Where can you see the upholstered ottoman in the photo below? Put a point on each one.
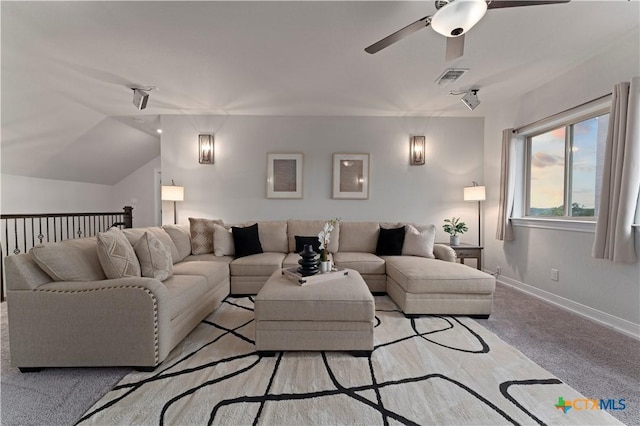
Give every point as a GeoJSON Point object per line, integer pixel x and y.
{"type": "Point", "coordinates": [331, 315]}
{"type": "Point", "coordinates": [430, 286]}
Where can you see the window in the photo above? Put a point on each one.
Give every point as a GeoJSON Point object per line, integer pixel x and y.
{"type": "Point", "coordinates": [563, 168]}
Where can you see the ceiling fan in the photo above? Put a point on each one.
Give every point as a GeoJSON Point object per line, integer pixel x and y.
{"type": "Point", "coordinates": [453, 19]}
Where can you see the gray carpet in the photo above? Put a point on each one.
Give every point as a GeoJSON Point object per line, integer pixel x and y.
{"type": "Point", "coordinates": [592, 359]}
{"type": "Point", "coordinates": [54, 396]}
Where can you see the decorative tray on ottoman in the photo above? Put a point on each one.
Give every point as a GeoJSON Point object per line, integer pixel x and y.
{"type": "Point", "coordinates": [294, 275]}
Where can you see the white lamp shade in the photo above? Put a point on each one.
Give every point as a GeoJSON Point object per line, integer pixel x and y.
{"type": "Point", "coordinates": [474, 193]}
{"type": "Point", "coordinates": [457, 17]}
{"type": "Point", "coordinates": [172, 193]}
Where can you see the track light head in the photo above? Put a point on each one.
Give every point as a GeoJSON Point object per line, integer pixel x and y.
{"type": "Point", "coordinates": [140, 98]}
{"type": "Point", "coordinates": [470, 99]}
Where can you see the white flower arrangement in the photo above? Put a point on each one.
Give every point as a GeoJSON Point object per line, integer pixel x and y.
{"type": "Point", "coordinates": [325, 237]}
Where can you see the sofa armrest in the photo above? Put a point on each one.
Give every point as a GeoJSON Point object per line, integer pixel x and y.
{"type": "Point", "coordinates": [444, 252]}
{"type": "Point", "coordinates": [120, 322]}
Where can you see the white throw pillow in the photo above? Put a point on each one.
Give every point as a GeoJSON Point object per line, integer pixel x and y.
{"type": "Point", "coordinates": [417, 243]}
{"type": "Point", "coordinates": [223, 241]}
{"type": "Point", "coordinates": [154, 257]}
{"type": "Point", "coordinates": [117, 257]}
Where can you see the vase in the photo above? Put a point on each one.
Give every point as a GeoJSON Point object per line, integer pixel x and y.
{"type": "Point", "coordinates": [309, 261]}
{"type": "Point", "coordinates": [454, 240]}
{"type": "Point", "coordinates": [325, 266]}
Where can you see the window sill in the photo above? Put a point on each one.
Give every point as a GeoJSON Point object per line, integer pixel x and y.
{"type": "Point", "coordinates": [558, 224]}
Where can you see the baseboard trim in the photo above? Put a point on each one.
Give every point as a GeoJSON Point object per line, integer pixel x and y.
{"type": "Point", "coordinates": [610, 321]}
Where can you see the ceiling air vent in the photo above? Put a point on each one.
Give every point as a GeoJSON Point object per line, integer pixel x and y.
{"type": "Point", "coordinates": [450, 75]}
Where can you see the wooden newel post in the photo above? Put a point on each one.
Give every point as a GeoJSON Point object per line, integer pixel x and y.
{"type": "Point", "coordinates": [128, 216]}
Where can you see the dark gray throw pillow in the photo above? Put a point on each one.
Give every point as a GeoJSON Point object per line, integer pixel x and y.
{"type": "Point", "coordinates": [246, 240]}
{"type": "Point", "coordinates": [304, 241]}
{"type": "Point", "coordinates": [390, 242]}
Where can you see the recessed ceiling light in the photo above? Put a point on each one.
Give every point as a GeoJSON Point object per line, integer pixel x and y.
{"type": "Point", "coordinates": [159, 130]}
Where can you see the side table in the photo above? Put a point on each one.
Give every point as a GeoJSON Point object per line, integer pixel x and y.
{"type": "Point", "coordinates": [467, 251]}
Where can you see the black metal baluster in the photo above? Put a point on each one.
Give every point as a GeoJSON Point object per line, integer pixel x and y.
{"type": "Point", "coordinates": [6, 234]}
{"type": "Point", "coordinates": [16, 250]}
{"type": "Point", "coordinates": [24, 234]}
{"type": "Point", "coordinates": [33, 234]}
{"type": "Point", "coordinates": [40, 236]}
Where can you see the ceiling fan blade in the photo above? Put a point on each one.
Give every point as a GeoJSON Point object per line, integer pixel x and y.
{"type": "Point", "coordinates": [455, 47]}
{"type": "Point", "coordinates": [398, 35]}
{"type": "Point", "coordinates": [500, 4]}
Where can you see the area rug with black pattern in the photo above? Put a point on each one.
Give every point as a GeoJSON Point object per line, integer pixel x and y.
{"type": "Point", "coordinates": [434, 370]}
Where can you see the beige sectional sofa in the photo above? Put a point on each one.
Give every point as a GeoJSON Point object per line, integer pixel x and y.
{"type": "Point", "coordinates": [85, 319]}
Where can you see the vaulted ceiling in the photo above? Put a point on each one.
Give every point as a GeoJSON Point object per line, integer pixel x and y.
{"type": "Point", "coordinates": [68, 68]}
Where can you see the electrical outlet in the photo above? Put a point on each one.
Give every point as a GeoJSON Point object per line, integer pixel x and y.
{"type": "Point", "coordinates": [498, 270]}
{"type": "Point", "coordinates": [555, 275]}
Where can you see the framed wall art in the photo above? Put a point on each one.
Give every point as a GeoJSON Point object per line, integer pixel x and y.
{"type": "Point", "coordinates": [351, 176]}
{"type": "Point", "coordinates": [284, 175]}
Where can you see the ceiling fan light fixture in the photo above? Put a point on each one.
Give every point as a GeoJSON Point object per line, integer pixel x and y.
{"type": "Point", "coordinates": [458, 16]}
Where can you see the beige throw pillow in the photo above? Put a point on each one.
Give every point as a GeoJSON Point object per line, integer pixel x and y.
{"type": "Point", "coordinates": [223, 241]}
{"type": "Point", "coordinates": [70, 260]}
{"type": "Point", "coordinates": [134, 235]}
{"type": "Point", "coordinates": [180, 235]}
{"type": "Point", "coordinates": [117, 257]}
{"type": "Point", "coordinates": [154, 257]}
{"type": "Point", "coordinates": [202, 234]}
{"type": "Point", "coordinates": [419, 243]}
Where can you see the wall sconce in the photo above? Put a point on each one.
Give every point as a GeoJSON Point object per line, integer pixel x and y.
{"type": "Point", "coordinates": [205, 149]}
{"type": "Point", "coordinates": [173, 193]}
{"type": "Point", "coordinates": [416, 151]}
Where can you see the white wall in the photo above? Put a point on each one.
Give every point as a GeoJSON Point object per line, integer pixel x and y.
{"type": "Point", "coordinates": [605, 290]}
{"type": "Point", "coordinates": [234, 188]}
{"type": "Point", "coordinates": [21, 194]}
{"type": "Point", "coordinates": [138, 190]}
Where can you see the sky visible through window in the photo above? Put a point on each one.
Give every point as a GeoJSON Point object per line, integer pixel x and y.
{"type": "Point", "coordinates": [547, 169]}
{"type": "Point", "coordinates": [547, 179]}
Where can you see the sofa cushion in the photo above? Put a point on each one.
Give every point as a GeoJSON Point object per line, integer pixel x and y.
{"type": "Point", "coordinates": [418, 243]}
{"type": "Point", "coordinates": [390, 241]}
{"type": "Point", "coordinates": [246, 240]}
{"type": "Point", "coordinates": [209, 257]}
{"type": "Point", "coordinates": [117, 257]}
{"type": "Point", "coordinates": [422, 275]}
{"type": "Point", "coordinates": [223, 241]}
{"type": "Point", "coordinates": [359, 236]}
{"type": "Point", "coordinates": [181, 238]}
{"type": "Point", "coordinates": [185, 292]}
{"type": "Point", "coordinates": [257, 265]}
{"type": "Point", "coordinates": [202, 234]}
{"type": "Point", "coordinates": [214, 272]}
{"type": "Point", "coordinates": [365, 263]}
{"type": "Point", "coordinates": [134, 235]}
{"type": "Point", "coordinates": [273, 236]}
{"type": "Point", "coordinates": [70, 260]}
{"type": "Point", "coordinates": [302, 241]}
{"type": "Point", "coordinates": [154, 257]}
{"type": "Point", "coordinates": [310, 228]}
